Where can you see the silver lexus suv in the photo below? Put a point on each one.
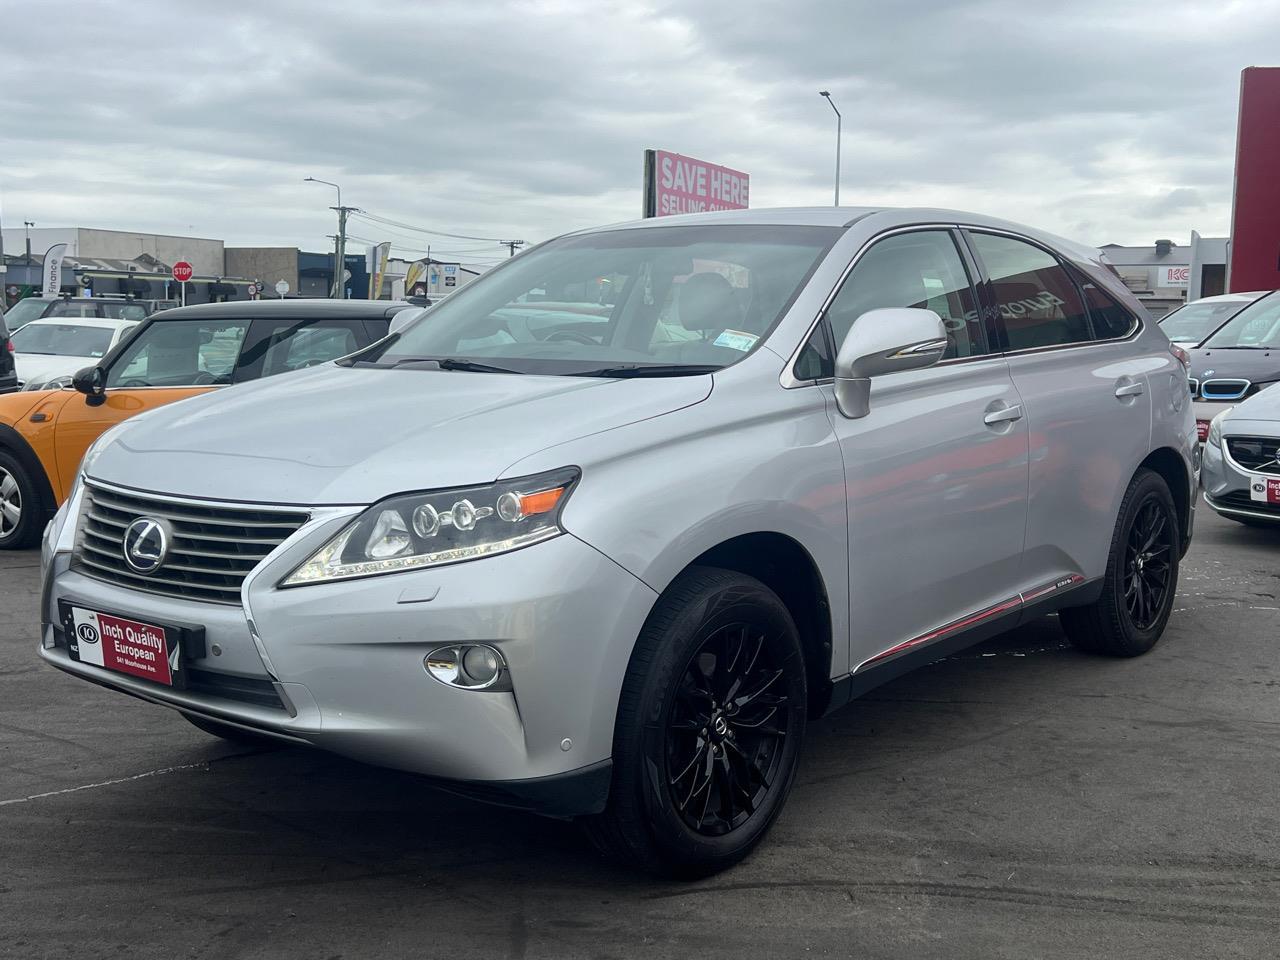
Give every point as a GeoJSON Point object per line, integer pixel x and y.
{"type": "Point", "coordinates": [599, 534]}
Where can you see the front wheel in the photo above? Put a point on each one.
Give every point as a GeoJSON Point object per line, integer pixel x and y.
{"type": "Point", "coordinates": [709, 726]}
{"type": "Point", "coordinates": [1141, 578]}
{"type": "Point", "coordinates": [21, 514]}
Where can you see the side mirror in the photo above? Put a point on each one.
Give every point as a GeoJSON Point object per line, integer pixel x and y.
{"type": "Point", "coordinates": [885, 341]}
{"type": "Point", "coordinates": [92, 382]}
{"type": "Point", "coordinates": [403, 318]}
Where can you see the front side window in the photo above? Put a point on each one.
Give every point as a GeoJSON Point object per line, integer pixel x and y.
{"type": "Point", "coordinates": [664, 300]}
{"type": "Point", "coordinates": [923, 270]}
{"type": "Point", "coordinates": [1256, 327]}
{"type": "Point", "coordinates": [1037, 299]}
{"type": "Point", "coordinates": [68, 308]}
{"type": "Point", "coordinates": [180, 353]}
{"type": "Point", "coordinates": [63, 339]}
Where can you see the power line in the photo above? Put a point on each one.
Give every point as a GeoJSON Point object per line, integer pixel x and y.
{"type": "Point", "coordinates": [366, 215]}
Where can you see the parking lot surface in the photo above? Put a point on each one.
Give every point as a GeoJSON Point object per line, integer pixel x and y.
{"type": "Point", "coordinates": [1018, 800]}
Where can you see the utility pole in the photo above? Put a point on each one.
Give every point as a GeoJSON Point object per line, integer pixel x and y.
{"type": "Point", "coordinates": [340, 265]}
{"type": "Point", "coordinates": [511, 245]}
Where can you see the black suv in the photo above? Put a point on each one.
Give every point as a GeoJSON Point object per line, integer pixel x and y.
{"type": "Point", "coordinates": [8, 375]}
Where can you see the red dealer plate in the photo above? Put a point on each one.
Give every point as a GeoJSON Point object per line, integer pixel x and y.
{"type": "Point", "coordinates": [126, 646]}
{"type": "Point", "coordinates": [1265, 489]}
{"type": "Point", "coordinates": [1202, 430]}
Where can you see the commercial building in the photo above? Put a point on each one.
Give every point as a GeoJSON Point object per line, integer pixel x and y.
{"type": "Point", "coordinates": [1166, 275]}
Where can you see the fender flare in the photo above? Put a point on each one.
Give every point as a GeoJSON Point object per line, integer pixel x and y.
{"type": "Point", "coordinates": [15, 444]}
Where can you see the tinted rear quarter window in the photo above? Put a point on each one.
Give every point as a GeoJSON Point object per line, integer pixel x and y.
{"type": "Point", "coordinates": [1037, 299]}
{"type": "Point", "coordinates": [1111, 319]}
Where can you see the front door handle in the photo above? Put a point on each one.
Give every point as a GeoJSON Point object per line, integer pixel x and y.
{"type": "Point", "coordinates": [1129, 388]}
{"type": "Point", "coordinates": [1003, 415]}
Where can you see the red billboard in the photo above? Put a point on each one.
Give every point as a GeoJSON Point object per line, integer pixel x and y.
{"type": "Point", "coordinates": [678, 184]}
{"type": "Point", "coordinates": [1255, 207]}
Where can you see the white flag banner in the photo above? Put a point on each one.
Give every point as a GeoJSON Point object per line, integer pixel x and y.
{"type": "Point", "coordinates": [53, 269]}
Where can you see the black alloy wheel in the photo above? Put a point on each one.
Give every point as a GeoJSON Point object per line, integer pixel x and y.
{"type": "Point", "coordinates": [1148, 563]}
{"type": "Point", "coordinates": [709, 726]}
{"type": "Point", "coordinates": [1141, 577]}
{"type": "Point", "coordinates": [726, 730]}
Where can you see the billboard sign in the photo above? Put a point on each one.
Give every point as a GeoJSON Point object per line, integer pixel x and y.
{"type": "Point", "coordinates": [1173, 276]}
{"type": "Point", "coordinates": [1255, 207]}
{"type": "Point", "coordinates": [678, 184]}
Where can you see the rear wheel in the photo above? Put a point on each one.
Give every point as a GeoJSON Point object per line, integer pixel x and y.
{"type": "Point", "coordinates": [20, 510]}
{"type": "Point", "coordinates": [709, 726]}
{"type": "Point", "coordinates": [1141, 578]}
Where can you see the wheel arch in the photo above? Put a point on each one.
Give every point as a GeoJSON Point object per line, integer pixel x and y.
{"type": "Point", "coordinates": [14, 444]}
{"type": "Point", "coordinates": [1169, 464]}
{"type": "Point", "coordinates": [784, 565]}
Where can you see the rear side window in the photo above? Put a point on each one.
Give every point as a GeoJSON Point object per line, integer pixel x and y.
{"type": "Point", "coordinates": [124, 311]}
{"type": "Point", "coordinates": [920, 269]}
{"type": "Point", "coordinates": [67, 308]}
{"type": "Point", "coordinates": [1037, 299]}
{"type": "Point", "coordinates": [1111, 321]}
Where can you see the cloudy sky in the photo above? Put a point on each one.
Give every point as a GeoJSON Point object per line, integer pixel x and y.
{"type": "Point", "coordinates": [1103, 121]}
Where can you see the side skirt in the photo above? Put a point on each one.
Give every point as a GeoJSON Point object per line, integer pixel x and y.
{"type": "Point", "coordinates": [1071, 591]}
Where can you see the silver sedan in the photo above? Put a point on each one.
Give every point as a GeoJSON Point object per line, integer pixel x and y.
{"type": "Point", "coordinates": [1242, 461]}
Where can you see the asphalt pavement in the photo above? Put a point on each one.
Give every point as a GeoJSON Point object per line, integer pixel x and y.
{"type": "Point", "coordinates": [1020, 800]}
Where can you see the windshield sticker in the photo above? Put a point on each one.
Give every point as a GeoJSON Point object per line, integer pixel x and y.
{"type": "Point", "coordinates": [736, 340]}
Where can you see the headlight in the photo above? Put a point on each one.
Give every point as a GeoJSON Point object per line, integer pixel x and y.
{"type": "Point", "coordinates": [1215, 428]}
{"type": "Point", "coordinates": [445, 526]}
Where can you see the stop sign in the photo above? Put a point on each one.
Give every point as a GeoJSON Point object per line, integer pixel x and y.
{"type": "Point", "coordinates": [182, 271]}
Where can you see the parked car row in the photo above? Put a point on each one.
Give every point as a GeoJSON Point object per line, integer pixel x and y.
{"type": "Point", "coordinates": [599, 534]}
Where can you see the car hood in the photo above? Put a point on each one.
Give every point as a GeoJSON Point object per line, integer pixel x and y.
{"type": "Point", "coordinates": [1258, 366]}
{"type": "Point", "coordinates": [1263, 406]}
{"type": "Point", "coordinates": [42, 366]}
{"type": "Point", "coordinates": [340, 435]}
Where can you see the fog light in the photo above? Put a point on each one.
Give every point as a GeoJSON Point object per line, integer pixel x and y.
{"type": "Point", "coordinates": [472, 666]}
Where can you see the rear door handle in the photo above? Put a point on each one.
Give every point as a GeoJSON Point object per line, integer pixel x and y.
{"type": "Point", "coordinates": [1003, 415]}
{"type": "Point", "coordinates": [1133, 388]}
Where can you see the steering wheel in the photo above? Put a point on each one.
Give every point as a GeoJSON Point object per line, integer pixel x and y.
{"type": "Point", "coordinates": [573, 336]}
{"type": "Point", "coordinates": [134, 383]}
{"type": "Point", "coordinates": [203, 378]}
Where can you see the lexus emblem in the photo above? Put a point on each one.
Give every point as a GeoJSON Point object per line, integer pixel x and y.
{"type": "Point", "coordinates": [146, 544]}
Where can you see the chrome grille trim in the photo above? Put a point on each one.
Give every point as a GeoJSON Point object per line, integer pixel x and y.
{"type": "Point", "coordinates": [1194, 385]}
{"type": "Point", "coordinates": [215, 546]}
{"type": "Point", "coordinates": [1254, 454]}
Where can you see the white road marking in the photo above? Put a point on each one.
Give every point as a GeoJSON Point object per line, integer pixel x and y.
{"type": "Point", "coordinates": [105, 783]}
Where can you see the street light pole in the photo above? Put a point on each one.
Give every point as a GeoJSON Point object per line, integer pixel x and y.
{"type": "Point", "coordinates": [340, 247]}
{"type": "Point", "coordinates": [826, 94]}
{"type": "Point", "coordinates": [26, 229]}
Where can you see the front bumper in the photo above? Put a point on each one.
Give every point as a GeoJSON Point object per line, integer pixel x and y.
{"type": "Point", "coordinates": [339, 666]}
{"type": "Point", "coordinates": [1228, 486]}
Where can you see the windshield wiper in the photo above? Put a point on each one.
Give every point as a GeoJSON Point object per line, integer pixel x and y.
{"type": "Point", "coordinates": [628, 370]}
{"type": "Point", "coordinates": [1242, 346]}
{"type": "Point", "coordinates": [454, 363]}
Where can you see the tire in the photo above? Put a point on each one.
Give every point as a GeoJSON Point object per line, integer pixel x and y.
{"type": "Point", "coordinates": [231, 733]}
{"type": "Point", "coordinates": [1139, 586]}
{"type": "Point", "coordinates": [678, 704]}
{"type": "Point", "coordinates": [22, 515]}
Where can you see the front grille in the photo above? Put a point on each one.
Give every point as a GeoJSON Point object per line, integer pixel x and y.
{"type": "Point", "coordinates": [213, 547]}
{"type": "Point", "coordinates": [1223, 389]}
{"type": "Point", "coordinates": [1255, 453]}
{"type": "Point", "coordinates": [1241, 500]}
{"type": "Point", "coordinates": [260, 693]}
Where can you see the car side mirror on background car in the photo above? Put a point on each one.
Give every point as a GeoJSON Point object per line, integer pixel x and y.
{"type": "Point", "coordinates": [885, 341]}
{"type": "Point", "coordinates": [403, 318]}
{"type": "Point", "coordinates": [92, 382]}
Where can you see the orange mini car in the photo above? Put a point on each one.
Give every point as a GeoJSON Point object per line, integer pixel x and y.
{"type": "Point", "coordinates": [173, 355]}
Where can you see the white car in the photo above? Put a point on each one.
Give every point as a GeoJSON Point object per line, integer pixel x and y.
{"type": "Point", "coordinates": [49, 352]}
{"type": "Point", "coordinates": [1188, 325]}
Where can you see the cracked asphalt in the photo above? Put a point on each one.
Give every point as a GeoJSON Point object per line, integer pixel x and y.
{"type": "Point", "coordinates": [1021, 800]}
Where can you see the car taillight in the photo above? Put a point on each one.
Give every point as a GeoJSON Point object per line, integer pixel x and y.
{"type": "Point", "coordinates": [1202, 430]}
{"type": "Point", "coordinates": [1182, 356]}
{"type": "Point", "coordinates": [9, 344]}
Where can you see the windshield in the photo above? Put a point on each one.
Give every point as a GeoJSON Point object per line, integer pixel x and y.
{"type": "Point", "coordinates": [666, 299]}
{"type": "Point", "coordinates": [62, 339]}
{"type": "Point", "coordinates": [1195, 321]}
{"type": "Point", "coordinates": [1257, 326]}
{"type": "Point", "coordinates": [23, 312]}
